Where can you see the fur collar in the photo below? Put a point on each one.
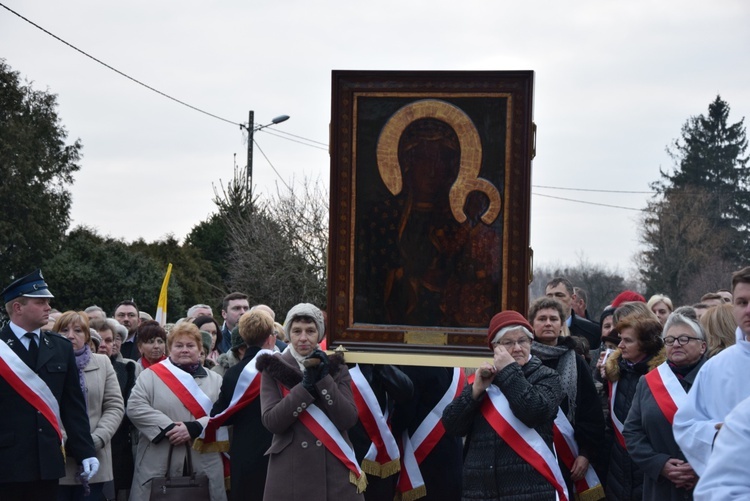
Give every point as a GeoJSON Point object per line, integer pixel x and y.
{"type": "Point", "coordinates": [612, 367]}
{"type": "Point", "coordinates": [288, 375]}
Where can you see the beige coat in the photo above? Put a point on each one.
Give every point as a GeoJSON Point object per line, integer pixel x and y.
{"type": "Point", "coordinates": [106, 410]}
{"type": "Point", "coordinates": [151, 408]}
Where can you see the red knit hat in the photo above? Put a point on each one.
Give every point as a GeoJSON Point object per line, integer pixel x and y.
{"type": "Point", "coordinates": [506, 319]}
{"type": "Point", "coordinates": [626, 297]}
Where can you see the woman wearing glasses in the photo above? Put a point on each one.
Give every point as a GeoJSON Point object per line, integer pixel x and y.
{"type": "Point", "coordinates": [580, 407]}
{"type": "Point", "coordinates": [648, 428]}
{"type": "Point", "coordinates": [640, 351]}
{"type": "Point", "coordinates": [506, 416]}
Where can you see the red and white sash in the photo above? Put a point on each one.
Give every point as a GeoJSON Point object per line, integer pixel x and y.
{"type": "Point", "coordinates": [565, 445]}
{"type": "Point", "coordinates": [667, 390]}
{"type": "Point", "coordinates": [321, 426]}
{"type": "Point", "coordinates": [417, 447]}
{"type": "Point", "coordinates": [191, 395]}
{"type": "Point", "coordinates": [525, 441]}
{"type": "Point", "coordinates": [246, 391]}
{"type": "Point", "coordinates": [617, 425]}
{"type": "Point", "coordinates": [382, 458]}
{"type": "Point", "coordinates": [30, 386]}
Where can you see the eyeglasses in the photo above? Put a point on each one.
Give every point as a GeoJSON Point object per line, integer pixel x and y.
{"type": "Point", "coordinates": [508, 344]}
{"type": "Point", "coordinates": [682, 340]}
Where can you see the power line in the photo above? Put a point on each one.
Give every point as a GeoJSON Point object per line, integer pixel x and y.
{"type": "Point", "coordinates": [118, 71]}
{"type": "Point", "coordinates": [588, 203]}
{"type": "Point", "coordinates": [593, 190]}
{"type": "Point", "coordinates": [300, 137]}
{"type": "Point", "coordinates": [274, 133]}
{"type": "Point", "coordinates": [269, 163]}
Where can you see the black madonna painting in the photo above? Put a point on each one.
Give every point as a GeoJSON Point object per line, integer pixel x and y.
{"type": "Point", "coordinates": [430, 205]}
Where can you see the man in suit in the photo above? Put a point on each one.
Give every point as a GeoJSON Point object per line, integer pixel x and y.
{"type": "Point", "coordinates": [233, 307]}
{"type": "Point", "coordinates": [561, 289]}
{"type": "Point", "coordinates": [39, 389]}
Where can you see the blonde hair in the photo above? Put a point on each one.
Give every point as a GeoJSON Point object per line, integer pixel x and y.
{"type": "Point", "coordinates": [720, 327]}
{"type": "Point", "coordinates": [660, 298]}
{"type": "Point", "coordinates": [255, 327]}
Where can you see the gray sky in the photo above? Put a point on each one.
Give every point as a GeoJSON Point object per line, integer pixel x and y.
{"type": "Point", "coordinates": [614, 83]}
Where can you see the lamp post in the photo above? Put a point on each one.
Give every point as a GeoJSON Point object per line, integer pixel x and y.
{"type": "Point", "coordinates": [251, 130]}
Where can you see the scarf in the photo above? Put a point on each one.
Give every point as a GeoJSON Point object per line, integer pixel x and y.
{"type": "Point", "coordinates": [146, 364]}
{"type": "Point", "coordinates": [299, 358]}
{"type": "Point", "coordinates": [566, 367]}
{"type": "Point", "coordinates": [83, 356]}
{"type": "Point", "coordinates": [191, 369]}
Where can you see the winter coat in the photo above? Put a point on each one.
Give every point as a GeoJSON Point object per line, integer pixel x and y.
{"type": "Point", "coordinates": [441, 469]}
{"type": "Point", "coordinates": [300, 467]}
{"type": "Point", "coordinates": [122, 441]}
{"type": "Point", "coordinates": [624, 477]}
{"type": "Point", "coordinates": [153, 407]}
{"type": "Point", "coordinates": [492, 470]}
{"type": "Point", "coordinates": [225, 361]}
{"type": "Point", "coordinates": [106, 410]}
{"type": "Point", "coordinates": [648, 436]}
{"type": "Point", "coordinates": [389, 385]}
{"type": "Point", "coordinates": [588, 425]}
{"type": "Point", "coordinates": [250, 439]}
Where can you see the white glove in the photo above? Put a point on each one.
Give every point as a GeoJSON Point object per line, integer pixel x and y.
{"type": "Point", "coordinates": [90, 467]}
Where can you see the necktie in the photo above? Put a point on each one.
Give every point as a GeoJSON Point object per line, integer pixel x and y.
{"type": "Point", "coordinates": [33, 347]}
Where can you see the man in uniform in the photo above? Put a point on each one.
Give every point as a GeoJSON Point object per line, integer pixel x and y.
{"type": "Point", "coordinates": [39, 390]}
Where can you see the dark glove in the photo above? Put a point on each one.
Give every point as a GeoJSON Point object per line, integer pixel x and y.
{"type": "Point", "coordinates": [324, 363]}
{"type": "Point", "coordinates": [309, 377]}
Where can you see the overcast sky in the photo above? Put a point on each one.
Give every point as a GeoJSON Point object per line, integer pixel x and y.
{"type": "Point", "coordinates": [614, 83]}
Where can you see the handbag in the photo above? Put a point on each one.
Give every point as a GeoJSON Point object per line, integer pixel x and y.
{"type": "Point", "coordinates": [186, 488]}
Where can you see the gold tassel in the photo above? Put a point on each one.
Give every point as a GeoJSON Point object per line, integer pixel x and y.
{"type": "Point", "coordinates": [594, 494]}
{"type": "Point", "coordinates": [381, 470]}
{"type": "Point", "coordinates": [360, 482]}
{"type": "Point", "coordinates": [200, 446]}
{"type": "Point", "coordinates": [390, 468]}
{"type": "Point", "coordinates": [412, 494]}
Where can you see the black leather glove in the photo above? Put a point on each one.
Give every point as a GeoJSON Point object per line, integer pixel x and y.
{"type": "Point", "coordinates": [324, 363]}
{"type": "Point", "coordinates": [309, 377]}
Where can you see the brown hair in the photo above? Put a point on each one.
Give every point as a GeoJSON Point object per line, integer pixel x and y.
{"type": "Point", "coordinates": [148, 330]}
{"type": "Point", "coordinates": [741, 276]}
{"type": "Point", "coordinates": [647, 330]}
{"type": "Point", "coordinates": [544, 303]}
{"type": "Point", "coordinates": [74, 318]}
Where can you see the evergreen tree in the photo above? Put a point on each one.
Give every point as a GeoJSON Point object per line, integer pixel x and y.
{"type": "Point", "coordinates": [698, 221]}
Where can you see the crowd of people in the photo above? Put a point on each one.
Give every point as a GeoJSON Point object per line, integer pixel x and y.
{"type": "Point", "coordinates": [645, 403]}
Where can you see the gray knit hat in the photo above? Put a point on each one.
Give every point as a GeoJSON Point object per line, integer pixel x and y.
{"type": "Point", "coordinates": [305, 310]}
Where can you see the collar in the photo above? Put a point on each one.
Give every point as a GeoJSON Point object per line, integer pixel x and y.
{"type": "Point", "coordinates": [569, 320]}
{"type": "Point", "coordinates": [20, 333]}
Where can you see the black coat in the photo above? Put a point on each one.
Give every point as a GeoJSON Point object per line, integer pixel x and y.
{"type": "Point", "coordinates": [648, 436]}
{"type": "Point", "coordinates": [122, 444]}
{"type": "Point", "coordinates": [581, 327]}
{"type": "Point", "coordinates": [250, 439]}
{"type": "Point", "coordinates": [624, 477]}
{"type": "Point", "coordinates": [29, 445]}
{"type": "Point", "coordinates": [441, 469]}
{"type": "Point", "coordinates": [390, 386]}
{"type": "Point", "coordinates": [492, 469]}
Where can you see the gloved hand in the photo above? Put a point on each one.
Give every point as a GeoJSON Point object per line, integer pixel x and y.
{"type": "Point", "coordinates": [309, 377]}
{"type": "Point", "coordinates": [322, 370]}
{"type": "Point", "coordinates": [90, 467]}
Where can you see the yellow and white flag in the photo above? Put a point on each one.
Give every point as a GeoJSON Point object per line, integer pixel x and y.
{"type": "Point", "coordinates": [161, 307]}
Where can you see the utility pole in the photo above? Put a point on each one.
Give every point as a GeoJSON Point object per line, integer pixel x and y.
{"type": "Point", "coordinates": [250, 131]}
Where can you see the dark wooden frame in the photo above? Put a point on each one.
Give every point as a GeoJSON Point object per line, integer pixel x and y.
{"type": "Point", "coordinates": [362, 101]}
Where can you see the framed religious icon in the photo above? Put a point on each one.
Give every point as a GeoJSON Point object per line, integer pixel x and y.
{"type": "Point", "coordinates": [430, 208]}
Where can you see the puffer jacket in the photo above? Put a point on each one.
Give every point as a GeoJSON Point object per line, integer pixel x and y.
{"type": "Point", "coordinates": [624, 477]}
{"type": "Point", "coordinates": [492, 470]}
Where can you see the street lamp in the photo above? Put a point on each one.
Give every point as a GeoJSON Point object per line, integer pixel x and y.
{"type": "Point", "coordinates": [251, 129]}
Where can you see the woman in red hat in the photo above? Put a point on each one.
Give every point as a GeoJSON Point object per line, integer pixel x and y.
{"type": "Point", "coordinates": [507, 416]}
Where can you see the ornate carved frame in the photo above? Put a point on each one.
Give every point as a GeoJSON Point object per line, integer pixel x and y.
{"type": "Point", "coordinates": [491, 115]}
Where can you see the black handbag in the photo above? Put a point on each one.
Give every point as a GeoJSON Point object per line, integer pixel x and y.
{"type": "Point", "coordinates": [186, 488]}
